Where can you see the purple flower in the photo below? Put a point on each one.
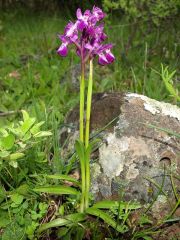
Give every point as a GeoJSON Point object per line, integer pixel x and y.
{"type": "Point", "coordinates": [98, 13]}
{"type": "Point", "coordinates": [87, 36]}
{"type": "Point", "coordinates": [104, 53]}
{"type": "Point", "coordinates": [82, 19]}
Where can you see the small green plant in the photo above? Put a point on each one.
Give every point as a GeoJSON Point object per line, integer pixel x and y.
{"type": "Point", "coordinates": [167, 78]}
{"type": "Point", "coordinates": [36, 215]}
{"type": "Point", "coordinates": [19, 217]}
{"type": "Point", "coordinates": [17, 139]}
{"type": "Point", "coordinates": [22, 218]}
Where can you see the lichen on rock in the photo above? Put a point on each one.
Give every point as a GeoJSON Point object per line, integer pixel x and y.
{"type": "Point", "coordinates": [154, 106]}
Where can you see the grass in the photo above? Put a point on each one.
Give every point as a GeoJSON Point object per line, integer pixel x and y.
{"type": "Point", "coordinates": [31, 78]}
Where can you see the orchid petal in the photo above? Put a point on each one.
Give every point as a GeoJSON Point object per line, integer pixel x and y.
{"type": "Point", "coordinates": [64, 39]}
{"type": "Point", "coordinates": [102, 59]}
{"type": "Point", "coordinates": [63, 50]}
{"type": "Point", "coordinates": [88, 46]}
{"type": "Point", "coordinates": [70, 29]}
{"type": "Point", "coordinates": [79, 13]}
{"type": "Point", "coordinates": [109, 56]}
{"type": "Point", "coordinates": [98, 13]}
{"type": "Point", "coordinates": [73, 38]}
{"type": "Point", "coordinates": [87, 13]}
{"type": "Point", "coordinates": [81, 25]}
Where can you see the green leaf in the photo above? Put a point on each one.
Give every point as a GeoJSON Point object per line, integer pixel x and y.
{"type": "Point", "coordinates": [14, 164]}
{"type": "Point", "coordinates": [63, 177]}
{"type": "Point", "coordinates": [4, 154]}
{"type": "Point", "coordinates": [43, 134]}
{"type": "Point", "coordinates": [13, 231]}
{"type": "Point", "coordinates": [4, 132]}
{"type": "Point", "coordinates": [25, 115]}
{"type": "Point", "coordinates": [93, 144]}
{"type": "Point", "coordinates": [62, 232]}
{"type": "Point", "coordinates": [15, 156]}
{"type": "Point", "coordinates": [17, 198]}
{"type": "Point", "coordinates": [23, 189]}
{"type": "Point", "coordinates": [8, 142]}
{"type": "Point", "coordinates": [36, 128]}
{"type": "Point", "coordinates": [167, 79]}
{"type": "Point", "coordinates": [80, 149]}
{"type": "Point", "coordinates": [15, 131]}
{"type": "Point", "coordinates": [22, 145]}
{"type": "Point", "coordinates": [69, 219]}
{"type": "Point", "coordinates": [2, 194]}
{"type": "Point", "coordinates": [106, 218]}
{"type": "Point", "coordinates": [61, 210]}
{"type": "Point", "coordinates": [4, 218]}
{"type": "Point", "coordinates": [144, 219]}
{"type": "Point", "coordinates": [26, 137]}
{"type": "Point", "coordinates": [106, 204]}
{"type": "Point", "coordinates": [27, 124]}
{"type": "Point", "coordinates": [60, 190]}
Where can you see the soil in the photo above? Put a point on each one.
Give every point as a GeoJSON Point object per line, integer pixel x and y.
{"type": "Point", "coordinates": [171, 232]}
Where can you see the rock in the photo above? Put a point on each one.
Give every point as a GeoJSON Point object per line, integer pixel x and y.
{"type": "Point", "coordinates": [134, 160]}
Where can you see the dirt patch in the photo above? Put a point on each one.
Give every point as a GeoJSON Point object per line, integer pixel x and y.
{"type": "Point", "coordinates": [171, 232]}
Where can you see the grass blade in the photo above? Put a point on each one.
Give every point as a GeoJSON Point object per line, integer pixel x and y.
{"type": "Point", "coordinates": [164, 130]}
{"type": "Point", "coordinates": [107, 219]}
{"type": "Point", "coordinates": [59, 222]}
{"type": "Point", "coordinates": [115, 204]}
{"type": "Point", "coordinates": [63, 177]}
{"type": "Point", "coordinates": [172, 220]}
{"type": "Point", "coordinates": [59, 190]}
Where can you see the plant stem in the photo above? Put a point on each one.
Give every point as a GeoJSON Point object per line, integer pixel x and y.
{"type": "Point", "coordinates": [89, 100]}
{"type": "Point", "coordinates": [81, 130]}
{"type": "Point", "coordinates": [83, 185]}
{"type": "Point", "coordinates": [87, 186]}
{"type": "Point", "coordinates": [88, 114]}
{"type": "Point", "coordinates": [81, 117]}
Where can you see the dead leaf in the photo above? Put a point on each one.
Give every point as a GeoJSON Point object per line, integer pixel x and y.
{"type": "Point", "coordinates": [74, 175]}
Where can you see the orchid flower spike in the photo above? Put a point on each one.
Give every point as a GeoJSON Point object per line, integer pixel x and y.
{"type": "Point", "coordinates": [87, 36]}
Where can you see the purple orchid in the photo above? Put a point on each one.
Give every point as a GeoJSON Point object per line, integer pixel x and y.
{"type": "Point", "coordinates": [87, 36]}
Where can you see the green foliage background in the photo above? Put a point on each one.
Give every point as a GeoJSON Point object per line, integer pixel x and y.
{"type": "Point", "coordinates": [148, 10]}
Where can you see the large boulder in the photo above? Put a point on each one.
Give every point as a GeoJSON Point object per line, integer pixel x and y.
{"type": "Point", "coordinates": [134, 158]}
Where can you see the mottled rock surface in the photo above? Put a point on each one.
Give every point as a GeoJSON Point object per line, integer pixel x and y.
{"type": "Point", "coordinates": [134, 158]}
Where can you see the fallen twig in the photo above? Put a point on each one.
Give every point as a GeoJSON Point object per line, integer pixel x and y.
{"type": "Point", "coordinates": [5, 114]}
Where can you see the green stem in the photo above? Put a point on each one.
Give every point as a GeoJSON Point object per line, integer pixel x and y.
{"type": "Point", "coordinates": [88, 114]}
{"type": "Point", "coordinates": [81, 130]}
{"type": "Point", "coordinates": [87, 187]}
{"type": "Point", "coordinates": [83, 185]}
{"type": "Point", "coordinates": [89, 100]}
{"type": "Point", "coordinates": [81, 117]}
